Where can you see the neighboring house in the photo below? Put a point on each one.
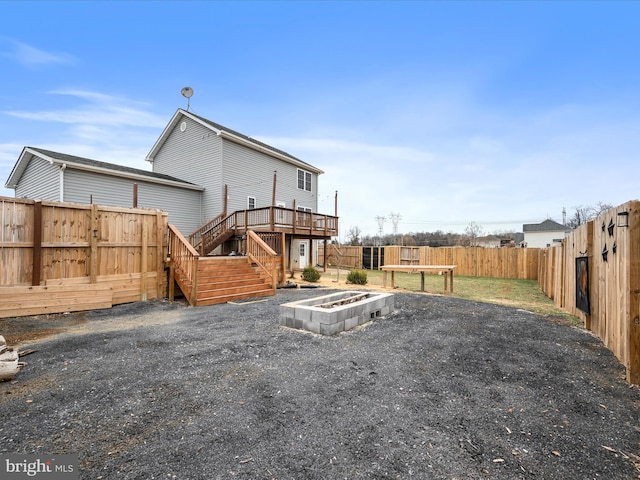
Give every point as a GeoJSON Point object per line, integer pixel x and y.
{"type": "Point", "coordinates": [201, 171]}
{"type": "Point", "coordinates": [45, 175]}
{"type": "Point", "coordinates": [518, 238]}
{"type": "Point", "coordinates": [545, 234]}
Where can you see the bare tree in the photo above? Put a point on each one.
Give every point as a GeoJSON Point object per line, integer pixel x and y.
{"type": "Point", "coordinates": [585, 213]}
{"type": "Point", "coordinates": [353, 236]}
{"type": "Point", "coordinates": [473, 232]}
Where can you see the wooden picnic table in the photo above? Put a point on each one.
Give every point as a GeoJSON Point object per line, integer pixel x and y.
{"type": "Point", "coordinates": [447, 271]}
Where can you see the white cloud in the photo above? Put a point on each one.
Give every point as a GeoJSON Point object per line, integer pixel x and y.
{"type": "Point", "coordinates": [516, 167]}
{"type": "Point", "coordinates": [30, 56]}
{"type": "Point", "coordinates": [101, 127]}
{"type": "Point", "coordinates": [99, 109]}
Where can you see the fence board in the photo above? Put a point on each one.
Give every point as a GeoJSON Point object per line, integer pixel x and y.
{"type": "Point", "coordinates": [519, 263]}
{"type": "Point", "coordinates": [40, 300]}
{"type": "Point", "coordinates": [613, 253]}
{"type": "Point", "coordinates": [85, 245]}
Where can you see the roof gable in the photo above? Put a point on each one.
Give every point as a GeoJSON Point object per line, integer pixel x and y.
{"type": "Point", "coordinates": [81, 163]}
{"type": "Point", "coordinates": [547, 226]}
{"type": "Point", "coordinates": [228, 134]}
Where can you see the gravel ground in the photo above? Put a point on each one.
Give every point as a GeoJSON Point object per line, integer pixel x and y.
{"type": "Point", "coordinates": [442, 389]}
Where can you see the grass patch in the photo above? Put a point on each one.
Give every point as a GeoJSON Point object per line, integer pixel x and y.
{"type": "Point", "coordinates": [525, 294]}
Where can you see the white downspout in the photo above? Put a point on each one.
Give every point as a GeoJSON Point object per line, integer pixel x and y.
{"type": "Point", "coordinates": [63, 167]}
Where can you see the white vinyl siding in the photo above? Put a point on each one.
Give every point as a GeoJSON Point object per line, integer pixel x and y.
{"type": "Point", "coordinates": [40, 181]}
{"type": "Point", "coordinates": [543, 239]}
{"type": "Point", "coordinates": [195, 156]}
{"type": "Point", "coordinates": [250, 173]}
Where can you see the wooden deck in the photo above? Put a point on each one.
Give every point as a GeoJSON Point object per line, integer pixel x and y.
{"type": "Point", "coordinates": [269, 219]}
{"type": "Point", "coordinates": [209, 280]}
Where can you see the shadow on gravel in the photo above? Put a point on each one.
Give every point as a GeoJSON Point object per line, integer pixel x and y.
{"type": "Point", "coordinates": [443, 388]}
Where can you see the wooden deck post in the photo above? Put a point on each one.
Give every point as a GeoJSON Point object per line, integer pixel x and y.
{"type": "Point", "coordinates": [172, 281]}
{"type": "Point", "coordinates": [193, 300]}
{"type": "Point", "coordinates": [37, 243]}
{"type": "Point", "coordinates": [295, 216]}
{"type": "Point", "coordinates": [284, 251]}
{"type": "Point", "coordinates": [324, 254]}
{"type": "Point", "coordinates": [273, 194]}
{"type": "Point", "coordinates": [160, 254]}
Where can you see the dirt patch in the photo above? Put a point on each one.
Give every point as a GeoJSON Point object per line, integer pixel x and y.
{"type": "Point", "coordinates": [25, 330]}
{"type": "Point", "coordinates": [443, 388]}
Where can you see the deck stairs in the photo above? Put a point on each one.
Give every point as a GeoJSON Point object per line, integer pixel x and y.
{"type": "Point", "coordinates": [225, 279]}
{"type": "Point", "coordinates": [209, 280]}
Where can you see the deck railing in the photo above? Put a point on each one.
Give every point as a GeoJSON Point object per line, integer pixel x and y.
{"type": "Point", "coordinates": [274, 219]}
{"type": "Point", "coordinates": [184, 265]}
{"type": "Point", "coordinates": [264, 256]}
{"type": "Point", "coordinates": [279, 218]}
{"type": "Point", "coordinates": [195, 237]}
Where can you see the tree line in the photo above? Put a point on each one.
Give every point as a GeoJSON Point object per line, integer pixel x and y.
{"type": "Point", "coordinates": [472, 236]}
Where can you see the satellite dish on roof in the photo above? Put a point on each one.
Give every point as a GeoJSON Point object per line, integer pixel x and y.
{"type": "Point", "coordinates": [187, 92]}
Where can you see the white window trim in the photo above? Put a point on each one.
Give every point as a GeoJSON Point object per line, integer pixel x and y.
{"type": "Point", "coordinates": [255, 204]}
{"type": "Point", "coordinates": [310, 176]}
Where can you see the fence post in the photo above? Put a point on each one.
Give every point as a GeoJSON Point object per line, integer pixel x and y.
{"type": "Point", "coordinates": [633, 372]}
{"type": "Point", "coordinates": [143, 261]}
{"type": "Point", "coordinates": [93, 242]}
{"type": "Point", "coordinates": [37, 243]}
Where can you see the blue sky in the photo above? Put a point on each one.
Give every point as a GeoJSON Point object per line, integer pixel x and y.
{"type": "Point", "coordinates": [499, 113]}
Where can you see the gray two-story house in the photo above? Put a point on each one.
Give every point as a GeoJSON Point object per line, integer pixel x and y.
{"type": "Point", "coordinates": [214, 182]}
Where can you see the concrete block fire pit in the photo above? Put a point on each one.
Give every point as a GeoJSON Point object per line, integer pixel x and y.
{"type": "Point", "coordinates": [336, 312]}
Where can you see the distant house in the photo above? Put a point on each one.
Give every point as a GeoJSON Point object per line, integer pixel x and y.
{"type": "Point", "coordinates": [200, 171]}
{"type": "Point", "coordinates": [545, 234]}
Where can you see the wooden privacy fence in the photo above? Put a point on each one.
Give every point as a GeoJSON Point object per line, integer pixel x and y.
{"type": "Point", "coordinates": [595, 275]}
{"type": "Point", "coordinates": [342, 256]}
{"type": "Point", "coordinates": [519, 263]}
{"type": "Point", "coordinates": [58, 257]}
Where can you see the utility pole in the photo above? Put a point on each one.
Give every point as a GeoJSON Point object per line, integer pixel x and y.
{"type": "Point", "coordinates": [395, 219]}
{"type": "Point", "coordinates": [380, 221]}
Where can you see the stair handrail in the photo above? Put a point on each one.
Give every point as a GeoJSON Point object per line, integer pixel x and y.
{"type": "Point", "coordinates": [195, 237]}
{"type": "Point", "coordinates": [204, 239]}
{"type": "Point", "coordinates": [184, 264]}
{"type": "Point", "coordinates": [264, 256]}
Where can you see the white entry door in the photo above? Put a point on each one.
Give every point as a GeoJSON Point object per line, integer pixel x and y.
{"type": "Point", "coordinates": [303, 253]}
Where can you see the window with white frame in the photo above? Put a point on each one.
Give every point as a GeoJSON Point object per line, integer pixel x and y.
{"type": "Point", "coordinates": [251, 203]}
{"type": "Point", "coordinates": [304, 180]}
{"type": "Point", "coordinates": [304, 209]}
